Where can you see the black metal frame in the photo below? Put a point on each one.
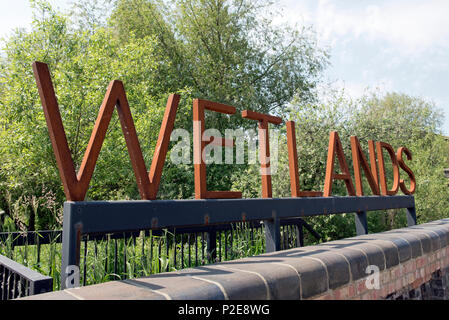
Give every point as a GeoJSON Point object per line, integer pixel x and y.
{"type": "Point", "coordinates": [96, 218]}
{"type": "Point", "coordinates": [213, 238]}
{"type": "Point", "coordinates": [17, 280]}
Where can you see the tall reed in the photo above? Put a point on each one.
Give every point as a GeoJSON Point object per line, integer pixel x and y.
{"type": "Point", "coordinates": [140, 256]}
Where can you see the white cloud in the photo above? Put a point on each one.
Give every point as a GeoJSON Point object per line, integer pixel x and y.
{"type": "Point", "coordinates": [412, 26]}
{"type": "Point", "coordinates": [18, 14]}
{"type": "Point", "coordinates": [399, 45]}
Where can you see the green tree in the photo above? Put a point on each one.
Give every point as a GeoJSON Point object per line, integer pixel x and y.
{"type": "Point", "coordinates": [415, 123]}
{"type": "Point", "coordinates": [398, 119]}
{"type": "Point", "coordinates": [227, 51]}
{"type": "Point", "coordinates": [82, 63]}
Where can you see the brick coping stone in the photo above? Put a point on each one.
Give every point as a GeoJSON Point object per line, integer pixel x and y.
{"type": "Point", "coordinates": [406, 258]}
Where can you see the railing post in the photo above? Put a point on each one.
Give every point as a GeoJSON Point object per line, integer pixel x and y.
{"type": "Point", "coordinates": [300, 234]}
{"type": "Point", "coordinates": [361, 223]}
{"type": "Point", "coordinates": [5, 284]}
{"type": "Point", "coordinates": [2, 275]}
{"type": "Point", "coordinates": [212, 245]}
{"type": "Point", "coordinates": [411, 216]}
{"type": "Point", "coordinates": [272, 235]}
{"type": "Point", "coordinates": [9, 285]}
{"type": "Point", "coordinates": [71, 242]}
{"type": "Point", "coordinates": [41, 286]}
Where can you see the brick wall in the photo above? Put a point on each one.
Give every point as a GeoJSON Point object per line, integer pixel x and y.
{"type": "Point", "coordinates": [412, 263]}
{"type": "Point", "coordinates": [416, 265]}
{"type": "Point", "coordinates": [425, 277]}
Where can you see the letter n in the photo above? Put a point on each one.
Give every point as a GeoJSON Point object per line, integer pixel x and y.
{"type": "Point", "coordinates": [359, 160]}
{"type": "Point", "coordinates": [76, 185]}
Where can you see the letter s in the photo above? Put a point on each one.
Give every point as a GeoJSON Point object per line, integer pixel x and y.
{"type": "Point", "coordinates": [407, 170]}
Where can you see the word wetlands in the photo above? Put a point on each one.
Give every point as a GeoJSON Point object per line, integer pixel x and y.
{"type": "Point", "coordinates": [207, 149]}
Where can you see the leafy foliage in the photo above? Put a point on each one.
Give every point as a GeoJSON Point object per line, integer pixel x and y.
{"type": "Point", "coordinates": [397, 119]}
{"type": "Point", "coordinates": [82, 63]}
{"type": "Point", "coordinates": [227, 51]}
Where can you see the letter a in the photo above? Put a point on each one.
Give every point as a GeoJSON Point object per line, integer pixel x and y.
{"type": "Point", "coordinates": [335, 148]}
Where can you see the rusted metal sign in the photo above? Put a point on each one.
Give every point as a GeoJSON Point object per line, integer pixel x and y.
{"type": "Point", "coordinates": [76, 184]}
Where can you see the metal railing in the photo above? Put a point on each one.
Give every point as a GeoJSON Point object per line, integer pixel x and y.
{"type": "Point", "coordinates": [18, 281]}
{"type": "Point", "coordinates": [22, 238]}
{"type": "Point", "coordinates": [175, 249]}
{"type": "Point", "coordinates": [179, 247]}
{"type": "Point", "coordinates": [207, 218]}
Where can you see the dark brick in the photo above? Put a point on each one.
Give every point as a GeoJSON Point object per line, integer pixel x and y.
{"type": "Point", "coordinates": [283, 281]}
{"type": "Point", "coordinates": [441, 229]}
{"type": "Point", "coordinates": [403, 247]}
{"type": "Point", "coordinates": [180, 287]}
{"type": "Point", "coordinates": [117, 290]}
{"type": "Point", "coordinates": [426, 244]}
{"type": "Point", "coordinates": [425, 291]}
{"type": "Point", "coordinates": [274, 276]}
{"type": "Point", "coordinates": [373, 253]}
{"type": "Point", "coordinates": [357, 262]}
{"type": "Point", "coordinates": [434, 237]}
{"type": "Point", "coordinates": [389, 249]}
{"type": "Point", "coordinates": [337, 268]}
{"type": "Point", "coordinates": [413, 241]}
{"type": "Point", "coordinates": [313, 275]}
{"type": "Point", "coordinates": [443, 234]}
{"type": "Point", "coordinates": [237, 285]}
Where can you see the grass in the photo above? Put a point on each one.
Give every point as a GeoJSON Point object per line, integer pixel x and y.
{"type": "Point", "coordinates": [116, 259]}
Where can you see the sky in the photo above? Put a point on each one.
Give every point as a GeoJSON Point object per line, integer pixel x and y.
{"type": "Point", "coordinates": [396, 45]}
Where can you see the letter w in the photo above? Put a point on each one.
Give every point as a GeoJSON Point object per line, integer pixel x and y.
{"type": "Point", "coordinates": [76, 185]}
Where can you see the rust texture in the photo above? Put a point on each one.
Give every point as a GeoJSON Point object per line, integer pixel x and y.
{"type": "Point", "coordinates": [79, 231]}
{"type": "Point", "coordinates": [380, 146]}
{"type": "Point", "coordinates": [76, 184]}
{"type": "Point", "coordinates": [336, 149]}
{"type": "Point", "coordinates": [264, 147]}
{"type": "Point", "coordinates": [359, 160]}
{"type": "Point", "coordinates": [199, 107]}
{"type": "Point", "coordinates": [407, 170]}
{"type": "Point", "coordinates": [293, 164]}
{"type": "Point", "coordinates": [372, 160]}
{"type": "Point", "coordinates": [214, 141]}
